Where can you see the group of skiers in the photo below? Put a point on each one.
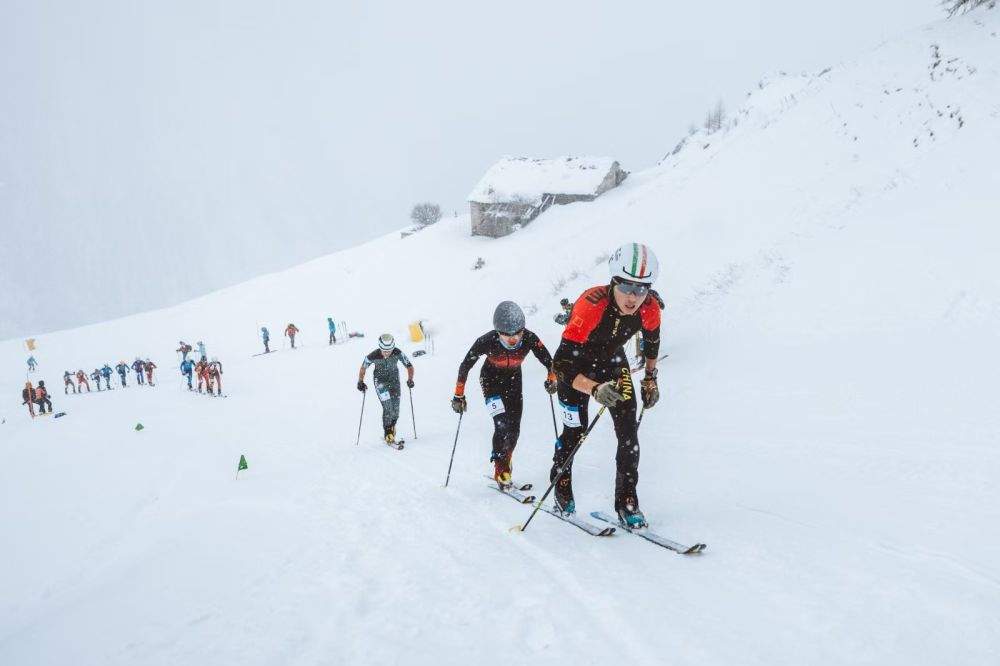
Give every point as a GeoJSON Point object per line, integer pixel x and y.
{"type": "Point", "coordinates": [140, 367]}
{"type": "Point", "coordinates": [590, 362]}
{"type": "Point", "coordinates": [292, 330]}
{"type": "Point", "coordinates": [208, 374]}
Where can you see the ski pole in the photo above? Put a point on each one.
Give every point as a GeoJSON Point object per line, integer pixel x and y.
{"type": "Point", "coordinates": [552, 405]}
{"type": "Point", "coordinates": [453, 447]}
{"type": "Point", "coordinates": [364, 394]}
{"type": "Point", "coordinates": [564, 467]}
{"type": "Point", "coordinates": [412, 415]}
{"type": "Point", "coordinates": [639, 422]}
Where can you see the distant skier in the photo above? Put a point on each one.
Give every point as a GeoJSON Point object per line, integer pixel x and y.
{"type": "Point", "coordinates": [81, 381]}
{"type": "Point", "coordinates": [290, 331]}
{"type": "Point", "coordinates": [184, 349]}
{"type": "Point", "coordinates": [32, 364]}
{"type": "Point", "coordinates": [122, 369]}
{"type": "Point", "coordinates": [137, 366]}
{"type": "Point", "coordinates": [106, 373]}
{"type": "Point", "coordinates": [68, 382]}
{"type": "Point", "coordinates": [505, 348]}
{"type": "Point", "coordinates": [591, 362]}
{"type": "Point", "coordinates": [42, 398]}
{"type": "Point", "coordinates": [266, 337]}
{"type": "Point", "coordinates": [28, 398]}
{"type": "Point", "coordinates": [215, 375]}
{"type": "Point", "coordinates": [333, 330]}
{"type": "Point", "coordinates": [563, 317]}
{"type": "Point", "coordinates": [187, 369]}
{"type": "Point", "coordinates": [96, 376]}
{"type": "Point", "coordinates": [385, 376]}
{"type": "Point", "coordinates": [149, 366]}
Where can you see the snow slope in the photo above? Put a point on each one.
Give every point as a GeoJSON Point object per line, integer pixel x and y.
{"type": "Point", "coordinates": [828, 424]}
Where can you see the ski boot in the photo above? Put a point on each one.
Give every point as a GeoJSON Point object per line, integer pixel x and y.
{"type": "Point", "coordinates": [630, 516]}
{"type": "Point", "coordinates": [564, 502]}
{"type": "Point", "coordinates": [390, 436]}
{"type": "Point", "coordinates": [501, 471]}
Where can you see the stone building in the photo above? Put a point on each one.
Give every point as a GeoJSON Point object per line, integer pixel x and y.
{"type": "Point", "coordinates": [516, 190]}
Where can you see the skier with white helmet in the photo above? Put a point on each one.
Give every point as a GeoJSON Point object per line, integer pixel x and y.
{"type": "Point", "coordinates": [591, 362]}
{"type": "Point", "coordinates": [505, 348]}
{"type": "Point", "coordinates": [386, 379]}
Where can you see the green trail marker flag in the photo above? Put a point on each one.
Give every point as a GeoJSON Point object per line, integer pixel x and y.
{"type": "Point", "coordinates": [242, 466]}
{"type": "Point", "coordinates": [138, 426]}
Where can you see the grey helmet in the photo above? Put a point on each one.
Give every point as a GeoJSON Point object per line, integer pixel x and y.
{"type": "Point", "coordinates": [508, 318]}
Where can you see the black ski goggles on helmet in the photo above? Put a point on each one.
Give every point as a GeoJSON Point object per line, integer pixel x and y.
{"type": "Point", "coordinates": [631, 288]}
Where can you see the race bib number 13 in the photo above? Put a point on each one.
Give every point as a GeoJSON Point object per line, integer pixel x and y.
{"type": "Point", "coordinates": [570, 415]}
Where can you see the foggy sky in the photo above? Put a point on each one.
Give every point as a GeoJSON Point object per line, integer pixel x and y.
{"type": "Point", "coordinates": [151, 152]}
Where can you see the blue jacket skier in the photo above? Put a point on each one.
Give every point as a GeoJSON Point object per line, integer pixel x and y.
{"type": "Point", "coordinates": [106, 373]}
{"type": "Point", "coordinates": [333, 330]}
{"type": "Point", "coordinates": [32, 363]}
{"type": "Point", "coordinates": [187, 369]}
{"type": "Point", "coordinates": [266, 337]}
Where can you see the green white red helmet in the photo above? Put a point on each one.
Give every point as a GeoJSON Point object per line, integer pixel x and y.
{"type": "Point", "coordinates": [634, 262]}
{"type": "Point", "coordinates": [386, 342]}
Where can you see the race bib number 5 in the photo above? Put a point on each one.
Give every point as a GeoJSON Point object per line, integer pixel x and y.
{"type": "Point", "coordinates": [570, 415]}
{"type": "Point", "coordinates": [495, 406]}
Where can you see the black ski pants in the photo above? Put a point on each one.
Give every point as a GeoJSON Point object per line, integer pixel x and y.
{"type": "Point", "coordinates": [138, 376]}
{"type": "Point", "coordinates": [121, 375]}
{"type": "Point", "coordinates": [41, 402]}
{"type": "Point", "coordinates": [574, 406]}
{"type": "Point", "coordinates": [504, 402]}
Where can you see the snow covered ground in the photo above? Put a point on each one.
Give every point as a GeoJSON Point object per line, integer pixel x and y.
{"type": "Point", "coordinates": [828, 427]}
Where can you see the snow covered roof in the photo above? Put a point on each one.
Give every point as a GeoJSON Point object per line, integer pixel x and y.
{"type": "Point", "coordinates": [527, 179]}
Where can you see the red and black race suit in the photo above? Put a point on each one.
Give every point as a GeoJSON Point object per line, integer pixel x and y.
{"type": "Point", "coordinates": [592, 346]}
{"type": "Point", "coordinates": [500, 379]}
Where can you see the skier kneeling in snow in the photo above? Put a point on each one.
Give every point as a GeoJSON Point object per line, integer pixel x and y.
{"type": "Point", "coordinates": [505, 347]}
{"type": "Point", "coordinates": [591, 362]}
{"type": "Point", "coordinates": [386, 379]}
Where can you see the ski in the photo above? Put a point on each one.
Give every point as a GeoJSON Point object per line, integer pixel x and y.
{"type": "Point", "coordinates": [398, 444]}
{"type": "Point", "coordinates": [524, 487]}
{"type": "Point", "coordinates": [515, 494]}
{"type": "Point", "coordinates": [572, 519]}
{"type": "Point", "coordinates": [652, 536]}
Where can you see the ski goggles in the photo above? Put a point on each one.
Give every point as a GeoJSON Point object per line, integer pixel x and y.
{"type": "Point", "coordinates": [511, 340]}
{"type": "Point", "coordinates": [632, 288]}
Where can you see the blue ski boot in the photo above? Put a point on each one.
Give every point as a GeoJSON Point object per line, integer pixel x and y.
{"type": "Point", "coordinates": [630, 516]}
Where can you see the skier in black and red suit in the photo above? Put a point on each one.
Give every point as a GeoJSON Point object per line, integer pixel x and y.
{"type": "Point", "coordinates": [505, 348]}
{"type": "Point", "coordinates": [591, 362]}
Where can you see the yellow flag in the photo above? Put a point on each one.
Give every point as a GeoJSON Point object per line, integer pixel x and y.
{"type": "Point", "coordinates": [30, 344]}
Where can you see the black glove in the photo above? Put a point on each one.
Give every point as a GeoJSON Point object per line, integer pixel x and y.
{"type": "Point", "coordinates": [607, 394]}
{"type": "Point", "coordinates": [409, 383]}
{"type": "Point", "coordinates": [650, 391]}
{"type": "Point", "coordinates": [459, 404]}
{"type": "Point", "coordinates": [551, 386]}
{"type": "Point", "coordinates": [362, 386]}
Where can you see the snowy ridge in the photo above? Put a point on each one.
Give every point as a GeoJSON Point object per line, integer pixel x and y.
{"type": "Point", "coordinates": [828, 423]}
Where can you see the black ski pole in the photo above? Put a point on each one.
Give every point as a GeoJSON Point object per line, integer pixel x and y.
{"type": "Point", "coordinates": [564, 467]}
{"type": "Point", "coordinates": [453, 447]}
{"type": "Point", "coordinates": [639, 422]}
{"type": "Point", "coordinates": [552, 404]}
{"type": "Point", "coordinates": [364, 394]}
{"type": "Point", "coordinates": [412, 415]}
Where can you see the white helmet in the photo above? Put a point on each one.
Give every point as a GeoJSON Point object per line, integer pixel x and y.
{"type": "Point", "coordinates": [386, 342]}
{"type": "Point", "coordinates": [634, 262]}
